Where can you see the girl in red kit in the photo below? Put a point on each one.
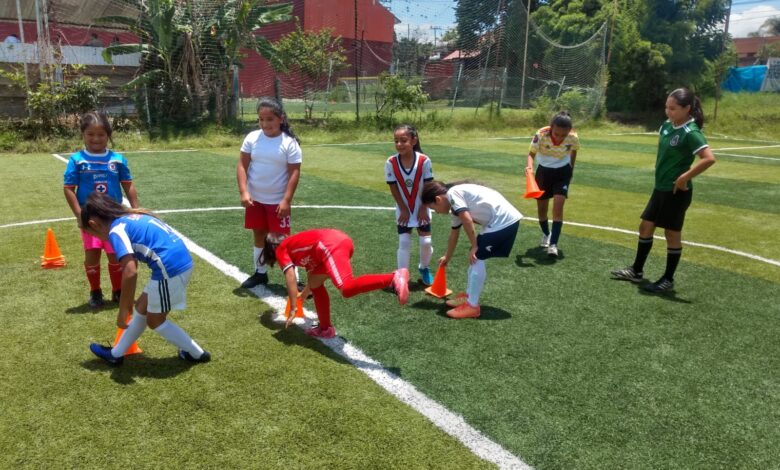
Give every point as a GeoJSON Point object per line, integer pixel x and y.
{"type": "Point", "coordinates": [325, 254]}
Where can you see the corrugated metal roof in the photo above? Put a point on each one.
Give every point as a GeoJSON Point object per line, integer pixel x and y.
{"type": "Point", "coordinates": [78, 12]}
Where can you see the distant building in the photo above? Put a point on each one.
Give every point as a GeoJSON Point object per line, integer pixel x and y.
{"type": "Point", "coordinates": [747, 49]}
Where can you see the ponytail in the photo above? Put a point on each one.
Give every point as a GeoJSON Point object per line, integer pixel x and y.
{"type": "Point", "coordinates": [100, 206]}
{"type": "Point", "coordinates": [562, 120]}
{"type": "Point", "coordinates": [276, 107]}
{"type": "Point", "coordinates": [412, 132]}
{"type": "Point", "coordinates": [272, 242]}
{"type": "Point", "coordinates": [685, 97]}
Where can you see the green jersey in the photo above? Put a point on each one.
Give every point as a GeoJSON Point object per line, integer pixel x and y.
{"type": "Point", "coordinates": [677, 147]}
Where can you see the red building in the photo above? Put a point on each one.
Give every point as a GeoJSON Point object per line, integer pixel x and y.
{"type": "Point", "coordinates": [371, 49]}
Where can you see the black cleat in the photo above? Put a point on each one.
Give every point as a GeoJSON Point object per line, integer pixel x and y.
{"type": "Point", "coordinates": [255, 280]}
{"type": "Point", "coordinates": [96, 299]}
{"type": "Point", "coordinates": [205, 357]}
{"type": "Point", "coordinates": [660, 286]}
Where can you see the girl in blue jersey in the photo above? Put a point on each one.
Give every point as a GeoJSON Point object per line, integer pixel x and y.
{"type": "Point", "coordinates": [136, 236]}
{"type": "Point", "coordinates": [680, 142]}
{"type": "Point", "coordinates": [97, 169]}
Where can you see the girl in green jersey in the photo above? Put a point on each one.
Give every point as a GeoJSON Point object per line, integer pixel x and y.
{"type": "Point", "coordinates": [680, 140]}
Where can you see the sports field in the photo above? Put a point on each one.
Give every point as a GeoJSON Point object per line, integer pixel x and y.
{"type": "Point", "coordinates": [566, 368]}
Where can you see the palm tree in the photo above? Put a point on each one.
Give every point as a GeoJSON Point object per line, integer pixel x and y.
{"type": "Point", "coordinates": [771, 26]}
{"type": "Point", "coordinates": [176, 37]}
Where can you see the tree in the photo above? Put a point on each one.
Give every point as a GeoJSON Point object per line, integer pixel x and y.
{"type": "Point", "coordinates": [315, 55]}
{"type": "Point", "coordinates": [771, 27]}
{"type": "Point", "coordinates": [175, 38]}
{"type": "Point", "coordinates": [396, 94]}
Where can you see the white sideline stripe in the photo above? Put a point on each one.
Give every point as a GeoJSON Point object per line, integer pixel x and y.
{"type": "Point", "coordinates": [745, 156]}
{"type": "Point", "coordinates": [710, 137]}
{"type": "Point", "coordinates": [444, 419]}
{"type": "Point", "coordinates": [376, 208]}
{"type": "Point", "coordinates": [748, 148]}
{"type": "Point", "coordinates": [59, 155]}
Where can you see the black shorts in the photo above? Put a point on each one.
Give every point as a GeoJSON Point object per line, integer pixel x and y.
{"type": "Point", "coordinates": [497, 244]}
{"type": "Point", "coordinates": [553, 180]}
{"type": "Point", "coordinates": [667, 210]}
{"type": "Point", "coordinates": [402, 229]}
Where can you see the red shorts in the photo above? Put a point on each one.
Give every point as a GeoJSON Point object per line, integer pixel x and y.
{"type": "Point", "coordinates": [263, 217]}
{"type": "Point", "coordinates": [336, 262]}
{"type": "Point", "coordinates": [92, 242]}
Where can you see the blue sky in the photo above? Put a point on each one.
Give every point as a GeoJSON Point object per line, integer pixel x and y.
{"type": "Point", "coordinates": [424, 18]}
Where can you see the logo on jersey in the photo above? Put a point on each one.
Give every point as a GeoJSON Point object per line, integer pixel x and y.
{"type": "Point", "coordinates": [101, 187]}
{"type": "Point", "coordinates": [489, 248]}
{"type": "Point", "coordinates": [675, 140]}
{"type": "Point", "coordinates": [306, 260]}
{"type": "Point", "coordinates": [112, 166]}
{"type": "Point", "coordinates": [408, 182]}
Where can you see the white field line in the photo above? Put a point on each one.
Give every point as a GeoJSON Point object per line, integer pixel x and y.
{"type": "Point", "coordinates": [59, 155]}
{"type": "Point", "coordinates": [747, 148]}
{"type": "Point", "coordinates": [709, 137]}
{"type": "Point", "coordinates": [444, 419]}
{"type": "Point", "coordinates": [717, 152]}
{"type": "Point", "coordinates": [376, 208]}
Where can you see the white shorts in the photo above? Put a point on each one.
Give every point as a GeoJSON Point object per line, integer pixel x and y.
{"type": "Point", "coordinates": [168, 294]}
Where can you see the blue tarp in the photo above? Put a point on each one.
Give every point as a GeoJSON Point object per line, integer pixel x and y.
{"type": "Point", "coordinates": [745, 78]}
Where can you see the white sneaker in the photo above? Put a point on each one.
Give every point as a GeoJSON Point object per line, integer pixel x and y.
{"type": "Point", "coordinates": [545, 241]}
{"type": "Point", "coordinates": [552, 251]}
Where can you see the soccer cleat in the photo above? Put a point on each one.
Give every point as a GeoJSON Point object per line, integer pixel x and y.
{"type": "Point", "coordinates": [116, 295]}
{"type": "Point", "coordinates": [627, 274]}
{"type": "Point", "coordinates": [425, 276]}
{"type": "Point", "coordinates": [457, 300]}
{"type": "Point", "coordinates": [464, 310]}
{"type": "Point", "coordinates": [552, 251]}
{"type": "Point", "coordinates": [255, 280]}
{"type": "Point", "coordinates": [659, 286]}
{"type": "Point", "coordinates": [205, 357]}
{"type": "Point", "coordinates": [401, 285]}
{"type": "Point", "coordinates": [104, 352]}
{"type": "Point", "coordinates": [545, 242]}
{"type": "Point", "coordinates": [96, 298]}
{"type": "Point", "coordinates": [318, 332]}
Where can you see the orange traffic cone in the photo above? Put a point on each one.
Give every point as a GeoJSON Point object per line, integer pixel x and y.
{"type": "Point", "coordinates": [133, 349]}
{"type": "Point", "coordinates": [52, 258]}
{"type": "Point", "coordinates": [298, 308]}
{"type": "Point", "coordinates": [532, 190]}
{"type": "Point", "coordinates": [439, 286]}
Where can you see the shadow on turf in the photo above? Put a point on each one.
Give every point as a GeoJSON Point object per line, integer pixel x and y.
{"type": "Point", "coordinates": [85, 308]}
{"type": "Point", "coordinates": [438, 306]}
{"type": "Point", "coordinates": [140, 366]}
{"type": "Point", "coordinates": [295, 336]}
{"type": "Point", "coordinates": [539, 257]}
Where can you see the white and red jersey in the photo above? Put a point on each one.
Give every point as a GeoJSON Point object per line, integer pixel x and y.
{"type": "Point", "coordinates": [318, 251]}
{"type": "Point", "coordinates": [409, 182]}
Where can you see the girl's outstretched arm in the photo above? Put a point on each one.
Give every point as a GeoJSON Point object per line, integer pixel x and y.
{"type": "Point", "coordinates": [294, 175]}
{"type": "Point", "coordinates": [132, 194]}
{"type": "Point", "coordinates": [242, 170]}
{"type": "Point", "coordinates": [129, 280]}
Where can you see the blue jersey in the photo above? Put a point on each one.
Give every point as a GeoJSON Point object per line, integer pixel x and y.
{"type": "Point", "coordinates": [150, 240]}
{"type": "Point", "coordinates": [102, 173]}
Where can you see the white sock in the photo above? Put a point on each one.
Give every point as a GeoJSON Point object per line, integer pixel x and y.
{"type": "Point", "coordinates": [404, 250]}
{"type": "Point", "coordinates": [426, 251]}
{"type": "Point", "coordinates": [259, 267]}
{"type": "Point", "coordinates": [132, 333]}
{"type": "Point", "coordinates": [179, 338]}
{"type": "Point", "coordinates": [477, 276]}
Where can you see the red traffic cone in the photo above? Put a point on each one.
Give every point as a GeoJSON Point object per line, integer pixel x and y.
{"type": "Point", "coordinates": [532, 190]}
{"type": "Point", "coordinates": [298, 308]}
{"type": "Point", "coordinates": [52, 257]}
{"type": "Point", "coordinates": [133, 349]}
{"type": "Point", "coordinates": [439, 286]}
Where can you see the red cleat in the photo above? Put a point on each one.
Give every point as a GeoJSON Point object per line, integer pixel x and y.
{"type": "Point", "coordinates": [464, 310]}
{"type": "Point", "coordinates": [318, 332]}
{"type": "Point", "coordinates": [401, 285]}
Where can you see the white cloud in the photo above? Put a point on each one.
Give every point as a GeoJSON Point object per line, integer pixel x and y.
{"type": "Point", "coordinates": [748, 21]}
{"type": "Point", "coordinates": [423, 32]}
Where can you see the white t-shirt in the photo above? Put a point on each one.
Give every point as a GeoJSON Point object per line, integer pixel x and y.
{"type": "Point", "coordinates": [267, 176]}
{"type": "Point", "coordinates": [409, 182]}
{"type": "Point", "coordinates": [487, 207]}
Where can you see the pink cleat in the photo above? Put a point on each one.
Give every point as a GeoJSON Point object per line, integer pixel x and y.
{"type": "Point", "coordinates": [401, 285]}
{"type": "Point", "coordinates": [464, 310]}
{"type": "Point", "coordinates": [318, 332]}
{"type": "Point", "coordinates": [457, 300]}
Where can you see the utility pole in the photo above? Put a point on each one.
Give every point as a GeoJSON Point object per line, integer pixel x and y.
{"type": "Point", "coordinates": [722, 48]}
{"type": "Point", "coordinates": [525, 53]}
{"type": "Point", "coordinates": [355, 65]}
{"type": "Point", "coordinates": [435, 29]}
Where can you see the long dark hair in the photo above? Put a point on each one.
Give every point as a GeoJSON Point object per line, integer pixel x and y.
{"type": "Point", "coordinates": [276, 107]}
{"type": "Point", "coordinates": [96, 118]}
{"type": "Point", "coordinates": [412, 132]}
{"type": "Point", "coordinates": [562, 120]}
{"type": "Point", "coordinates": [431, 189]}
{"type": "Point", "coordinates": [272, 241]}
{"type": "Point", "coordinates": [100, 206]}
{"type": "Point", "coordinates": [685, 97]}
